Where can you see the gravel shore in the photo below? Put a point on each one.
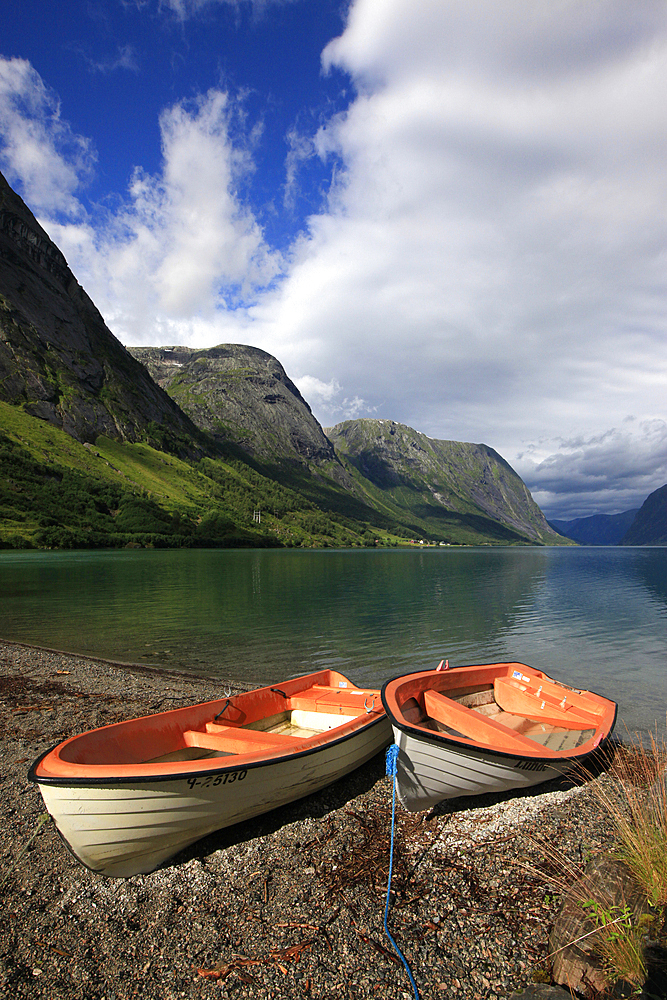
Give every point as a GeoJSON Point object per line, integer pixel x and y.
{"type": "Point", "coordinates": [289, 905]}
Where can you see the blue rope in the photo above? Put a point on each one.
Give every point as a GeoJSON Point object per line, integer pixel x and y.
{"type": "Point", "coordinates": [392, 757]}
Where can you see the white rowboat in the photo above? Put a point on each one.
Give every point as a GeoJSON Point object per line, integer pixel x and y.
{"type": "Point", "coordinates": [129, 796]}
{"type": "Point", "coordinates": [488, 728]}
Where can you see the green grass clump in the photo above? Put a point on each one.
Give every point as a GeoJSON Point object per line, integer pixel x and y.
{"type": "Point", "coordinates": [620, 942]}
{"type": "Point", "coordinates": [58, 493]}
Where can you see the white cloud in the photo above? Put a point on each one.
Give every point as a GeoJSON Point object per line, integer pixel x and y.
{"type": "Point", "coordinates": [184, 9]}
{"type": "Point", "coordinates": [37, 146]}
{"type": "Point", "coordinates": [301, 148]}
{"type": "Point", "coordinates": [316, 390]}
{"type": "Point", "coordinates": [608, 473]}
{"type": "Point", "coordinates": [126, 58]}
{"type": "Point", "coordinates": [330, 402]}
{"type": "Point", "coordinates": [183, 251]}
{"type": "Point", "coordinates": [490, 265]}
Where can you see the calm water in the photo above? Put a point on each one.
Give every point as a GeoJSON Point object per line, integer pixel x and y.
{"type": "Point", "coordinates": [594, 617]}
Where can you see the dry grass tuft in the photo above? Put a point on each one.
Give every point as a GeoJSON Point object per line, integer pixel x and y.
{"type": "Point", "coordinates": [636, 801]}
{"type": "Point", "coordinates": [618, 919]}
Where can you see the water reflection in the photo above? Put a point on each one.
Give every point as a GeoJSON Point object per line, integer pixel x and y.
{"type": "Point", "coordinates": [594, 617]}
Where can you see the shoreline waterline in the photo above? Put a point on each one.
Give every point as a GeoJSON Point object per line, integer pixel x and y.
{"type": "Point", "coordinates": [152, 669]}
{"type": "Point", "coordinates": [593, 619]}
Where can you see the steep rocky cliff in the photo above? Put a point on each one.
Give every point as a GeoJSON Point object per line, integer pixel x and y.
{"type": "Point", "coordinates": [650, 525]}
{"type": "Point", "coordinates": [441, 481]}
{"type": "Point", "coordinates": [243, 397]}
{"type": "Point", "coordinates": [58, 360]}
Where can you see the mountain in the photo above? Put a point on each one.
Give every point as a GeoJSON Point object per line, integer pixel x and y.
{"type": "Point", "coordinates": [650, 525]}
{"type": "Point", "coordinates": [94, 452]}
{"type": "Point", "coordinates": [598, 529]}
{"type": "Point", "coordinates": [448, 489]}
{"type": "Point", "coordinates": [89, 442]}
{"type": "Point", "coordinates": [58, 360]}
{"type": "Point", "coordinates": [243, 397]}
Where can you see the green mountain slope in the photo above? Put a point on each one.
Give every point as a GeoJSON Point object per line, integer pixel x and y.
{"type": "Point", "coordinates": [56, 492]}
{"type": "Point", "coordinates": [449, 490]}
{"type": "Point", "coordinates": [243, 398]}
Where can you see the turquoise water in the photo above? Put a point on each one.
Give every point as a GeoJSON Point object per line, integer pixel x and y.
{"type": "Point", "coordinates": [594, 617]}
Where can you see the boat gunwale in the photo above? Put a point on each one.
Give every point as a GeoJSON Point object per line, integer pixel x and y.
{"type": "Point", "coordinates": [208, 767]}
{"type": "Point", "coordinates": [465, 745]}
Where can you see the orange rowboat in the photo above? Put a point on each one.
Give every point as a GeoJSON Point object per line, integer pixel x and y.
{"type": "Point", "coordinates": [488, 728]}
{"type": "Point", "coordinates": [127, 797]}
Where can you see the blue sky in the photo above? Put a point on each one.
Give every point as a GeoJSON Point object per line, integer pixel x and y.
{"type": "Point", "coordinates": [115, 66]}
{"type": "Point", "coordinates": [451, 215]}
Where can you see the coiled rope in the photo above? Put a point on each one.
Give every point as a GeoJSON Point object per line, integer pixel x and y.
{"type": "Point", "coordinates": [392, 758]}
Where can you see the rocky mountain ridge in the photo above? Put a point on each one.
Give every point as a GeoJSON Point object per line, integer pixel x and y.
{"type": "Point", "coordinates": [597, 529]}
{"type": "Point", "coordinates": [649, 526]}
{"type": "Point", "coordinates": [444, 482]}
{"type": "Point", "coordinates": [645, 525]}
{"type": "Point", "coordinates": [243, 398]}
{"type": "Point", "coordinates": [58, 359]}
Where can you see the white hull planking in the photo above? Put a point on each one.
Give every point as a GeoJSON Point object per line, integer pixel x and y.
{"type": "Point", "coordinates": [130, 828]}
{"type": "Point", "coordinates": [428, 773]}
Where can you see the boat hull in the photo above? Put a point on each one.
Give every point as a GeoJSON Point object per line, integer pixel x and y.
{"type": "Point", "coordinates": [127, 797]}
{"type": "Point", "coordinates": [132, 826]}
{"type": "Point", "coordinates": [428, 773]}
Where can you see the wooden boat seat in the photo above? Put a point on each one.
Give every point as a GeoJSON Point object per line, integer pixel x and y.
{"type": "Point", "coordinates": [473, 726]}
{"type": "Point", "coordinates": [559, 739]}
{"type": "Point", "coordinates": [257, 736]}
{"type": "Point", "coordinates": [544, 702]}
{"type": "Point", "coordinates": [476, 696]}
{"type": "Point", "coordinates": [232, 739]}
{"type": "Point", "coordinates": [335, 701]}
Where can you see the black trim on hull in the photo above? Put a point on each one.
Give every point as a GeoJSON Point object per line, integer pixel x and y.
{"type": "Point", "coordinates": [142, 779]}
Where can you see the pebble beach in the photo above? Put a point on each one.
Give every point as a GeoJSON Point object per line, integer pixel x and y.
{"type": "Point", "coordinates": [288, 905]}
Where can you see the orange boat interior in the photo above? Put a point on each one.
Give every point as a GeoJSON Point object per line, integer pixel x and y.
{"type": "Point", "coordinates": [277, 720]}
{"type": "Point", "coordinates": [507, 707]}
